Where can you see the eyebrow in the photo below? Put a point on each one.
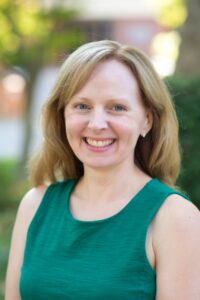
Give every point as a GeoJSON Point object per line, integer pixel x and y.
{"type": "Point", "coordinates": [111, 99]}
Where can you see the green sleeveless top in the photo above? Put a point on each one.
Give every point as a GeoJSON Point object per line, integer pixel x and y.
{"type": "Point", "coordinates": [70, 259]}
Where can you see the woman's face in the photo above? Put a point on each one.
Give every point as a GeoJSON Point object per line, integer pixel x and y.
{"type": "Point", "coordinates": [106, 117]}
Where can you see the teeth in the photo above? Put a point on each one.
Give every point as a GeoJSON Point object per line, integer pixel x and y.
{"type": "Point", "coordinates": [99, 144]}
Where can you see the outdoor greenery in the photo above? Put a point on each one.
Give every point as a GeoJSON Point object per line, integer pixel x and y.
{"type": "Point", "coordinates": [11, 188]}
{"type": "Point", "coordinates": [32, 35]}
{"type": "Point", "coordinates": [6, 223]}
{"type": "Point", "coordinates": [186, 94]}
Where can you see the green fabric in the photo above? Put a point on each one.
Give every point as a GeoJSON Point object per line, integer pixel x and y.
{"type": "Point", "coordinates": [66, 258]}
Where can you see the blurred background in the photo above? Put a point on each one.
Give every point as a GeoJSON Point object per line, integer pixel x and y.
{"type": "Point", "coordinates": [35, 37]}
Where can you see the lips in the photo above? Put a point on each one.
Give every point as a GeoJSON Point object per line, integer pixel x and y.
{"type": "Point", "coordinates": [98, 143]}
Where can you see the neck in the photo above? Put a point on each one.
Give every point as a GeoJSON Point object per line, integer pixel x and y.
{"type": "Point", "coordinates": [102, 186]}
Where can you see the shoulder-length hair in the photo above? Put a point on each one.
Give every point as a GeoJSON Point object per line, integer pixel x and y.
{"type": "Point", "coordinates": [158, 154]}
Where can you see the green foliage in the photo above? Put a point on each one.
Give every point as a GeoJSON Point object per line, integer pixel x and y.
{"type": "Point", "coordinates": [30, 34]}
{"type": "Point", "coordinates": [11, 189]}
{"type": "Point", "coordinates": [186, 95]}
{"type": "Point", "coordinates": [20, 27]}
{"type": "Point", "coordinates": [6, 225]}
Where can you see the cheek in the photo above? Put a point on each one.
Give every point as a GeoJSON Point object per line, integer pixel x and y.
{"type": "Point", "coordinates": [73, 123]}
{"type": "Point", "coordinates": [74, 126]}
{"type": "Point", "coordinates": [126, 127]}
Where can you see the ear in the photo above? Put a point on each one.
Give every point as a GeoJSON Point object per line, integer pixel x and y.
{"type": "Point", "coordinates": [147, 123]}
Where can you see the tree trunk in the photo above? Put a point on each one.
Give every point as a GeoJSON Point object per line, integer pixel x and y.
{"type": "Point", "coordinates": [188, 60]}
{"type": "Point", "coordinates": [27, 126]}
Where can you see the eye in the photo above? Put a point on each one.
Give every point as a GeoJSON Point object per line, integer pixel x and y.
{"type": "Point", "coordinates": [82, 106]}
{"type": "Point", "coordinates": [119, 107]}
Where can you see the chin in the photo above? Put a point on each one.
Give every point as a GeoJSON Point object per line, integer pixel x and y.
{"type": "Point", "coordinates": [100, 165]}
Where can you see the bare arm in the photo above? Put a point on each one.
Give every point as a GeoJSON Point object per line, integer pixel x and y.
{"type": "Point", "coordinates": [26, 211]}
{"type": "Point", "coordinates": [176, 240]}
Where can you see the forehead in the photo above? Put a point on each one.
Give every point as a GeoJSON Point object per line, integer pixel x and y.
{"type": "Point", "coordinates": [112, 68]}
{"type": "Point", "coordinates": [111, 76]}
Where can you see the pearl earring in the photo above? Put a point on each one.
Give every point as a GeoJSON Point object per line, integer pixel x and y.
{"type": "Point", "coordinates": [143, 135]}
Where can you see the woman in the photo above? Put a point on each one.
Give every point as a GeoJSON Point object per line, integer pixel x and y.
{"type": "Point", "coordinates": [105, 220]}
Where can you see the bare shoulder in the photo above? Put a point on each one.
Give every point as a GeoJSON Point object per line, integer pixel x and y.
{"type": "Point", "coordinates": [178, 212]}
{"type": "Point", "coordinates": [176, 216]}
{"type": "Point", "coordinates": [176, 243]}
{"type": "Point", "coordinates": [30, 203]}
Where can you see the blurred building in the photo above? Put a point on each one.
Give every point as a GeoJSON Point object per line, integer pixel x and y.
{"type": "Point", "coordinates": [127, 21]}
{"type": "Point", "coordinates": [138, 32]}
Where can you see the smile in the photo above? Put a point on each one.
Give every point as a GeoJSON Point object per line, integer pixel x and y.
{"type": "Point", "coordinates": [99, 143]}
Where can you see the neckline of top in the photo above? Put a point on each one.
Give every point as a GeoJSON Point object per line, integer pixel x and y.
{"type": "Point", "coordinates": [70, 187]}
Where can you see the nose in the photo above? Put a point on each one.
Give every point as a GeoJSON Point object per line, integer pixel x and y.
{"type": "Point", "coordinates": [98, 120]}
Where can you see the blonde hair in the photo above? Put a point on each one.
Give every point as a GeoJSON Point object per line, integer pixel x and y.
{"type": "Point", "coordinates": [158, 154]}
